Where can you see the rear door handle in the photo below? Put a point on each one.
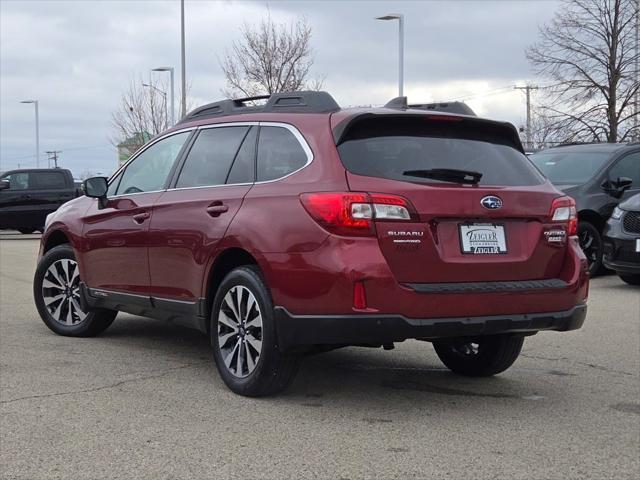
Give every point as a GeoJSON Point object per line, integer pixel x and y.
{"type": "Point", "coordinates": [217, 209]}
{"type": "Point", "coordinates": [141, 217]}
{"type": "Point", "coordinates": [25, 197]}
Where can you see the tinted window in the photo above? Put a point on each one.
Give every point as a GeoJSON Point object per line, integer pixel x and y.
{"type": "Point", "coordinates": [210, 158]}
{"type": "Point", "coordinates": [569, 168]}
{"type": "Point", "coordinates": [148, 172]}
{"type": "Point", "coordinates": [17, 181]}
{"type": "Point", "coordinates": [47, 180]}
{"type": "Point", "coordinates": [243, 167]}
{"type": "Point", "coordinates": [387, 148]}
{"type": "Point", "coordinates": [629, 167]}
{"type": "Point", "coordinates": [279, 153]}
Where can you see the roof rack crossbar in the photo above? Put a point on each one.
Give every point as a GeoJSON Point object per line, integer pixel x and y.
{"type": "Point", "coordinates": [288, 102]}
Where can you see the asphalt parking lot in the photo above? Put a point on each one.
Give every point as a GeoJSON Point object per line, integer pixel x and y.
{"type": "Point", "coordinates": [144, 401]}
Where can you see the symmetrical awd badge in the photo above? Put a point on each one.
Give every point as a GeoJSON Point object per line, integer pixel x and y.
{"type": "Point", "coordinates": [491, 202]}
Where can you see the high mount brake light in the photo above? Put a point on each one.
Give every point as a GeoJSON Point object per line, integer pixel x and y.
{"type": "Point", "coordinates": [563, 209]}
{"type": "Point", "coordinates": [354, 213]}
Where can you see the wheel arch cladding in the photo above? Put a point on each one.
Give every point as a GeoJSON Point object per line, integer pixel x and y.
{"type": "Point", "coordinates": [226, 261]}
{"type": "Point", "coordinates": [55, 238]}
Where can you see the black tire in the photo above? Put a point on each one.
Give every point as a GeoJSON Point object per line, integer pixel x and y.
{"type": "Point", "coordinates": [273, 370]}
{"type": "Point", "coordinates": [480, 358]}
{"type": "Point", "coordinates": [26, 231]}
{"type": "Point", "coordinates": [592, 246]}
{"type": "Point", "coordinates": [630, 279]}
{"type": "Point", "coordinates": [92, 324]}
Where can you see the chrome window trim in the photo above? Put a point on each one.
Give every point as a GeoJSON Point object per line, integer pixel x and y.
{"type": "Point", "coordinates": [296, 133]}
{"type": "Point", "coordinates": [140, 152]}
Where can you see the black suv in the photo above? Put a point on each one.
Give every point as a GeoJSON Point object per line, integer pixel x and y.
{"type": "Point", "coordinates": [28, 196]}
{"type": "Point", "coordinates": [622, 241]}
{"type": "Point", "coordinates": [598, 176]}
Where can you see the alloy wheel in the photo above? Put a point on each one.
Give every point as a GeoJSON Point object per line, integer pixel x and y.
{"type": "Point", "coordinates": [589, 245]}
{"type": "Point", "coordinates": [240, 331]}
{"type": "Point", "coordinates": [61, 292]}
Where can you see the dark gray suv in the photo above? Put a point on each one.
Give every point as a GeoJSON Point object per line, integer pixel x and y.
{"type": "Point", "coordinates": [598, 176]}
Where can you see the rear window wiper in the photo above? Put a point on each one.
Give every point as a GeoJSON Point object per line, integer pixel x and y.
{"type": "Point", "coordinates": [447, 175]}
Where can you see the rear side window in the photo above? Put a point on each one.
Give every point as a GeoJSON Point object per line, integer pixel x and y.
{"type": "Point", "coordinates": [211, 156]}
{"type": "Point", "coordinates": [47, 180]}
{"type": "Point", "coordinates": [279, 153]}
{"type": "Point", "coordinates": [243, 169]}
{"type": "Point", "coordinates": [388, 147]}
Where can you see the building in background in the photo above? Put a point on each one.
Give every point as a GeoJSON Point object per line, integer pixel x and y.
{"type": "Point", "coordinates": [129, 146]}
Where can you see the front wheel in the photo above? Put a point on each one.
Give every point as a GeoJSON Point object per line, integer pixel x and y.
{"type": "Point", "coordinates": [481, 357]}
{"type": "Point", "coordinates": [243, 336]}
{"type": "Point", "coordinates": [56, 291]}
{"type": "Point", "coordinates": [630, 279]}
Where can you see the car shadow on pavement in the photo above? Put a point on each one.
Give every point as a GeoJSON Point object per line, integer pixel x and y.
{"type": "Point", "coordinates": [344, 374]}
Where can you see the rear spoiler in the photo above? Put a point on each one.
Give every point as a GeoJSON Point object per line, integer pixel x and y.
{"type": "Point", "coordinates": [506, 129]}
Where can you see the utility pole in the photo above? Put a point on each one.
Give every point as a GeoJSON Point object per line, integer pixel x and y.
{"type": "Point", "coordinates": [183, 108]}
{"type": "Point", "coordinates": [53, 155]}
{"type": "Point", "coordinates": [636, 120]}
{"type": "Point", "coordinates": [527, 89]}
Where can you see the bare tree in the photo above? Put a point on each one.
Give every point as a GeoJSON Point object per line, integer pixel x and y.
{"type": "Point", "coordinates": [589, 53]}
{"type": "Point", "coordinates": [545, 132]}
{"type": "Point", "coordinates": [142, 113]}
{"type": "Point", "coordinates": [270, 57]}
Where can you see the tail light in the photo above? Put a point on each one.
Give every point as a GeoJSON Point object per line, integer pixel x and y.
{"type": "Point", "coordinates": [563, 210]}
{"type": "Point", "coordinates": [354, 213]}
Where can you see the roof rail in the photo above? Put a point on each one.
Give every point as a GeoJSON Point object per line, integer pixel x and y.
{"type": "Point", "coordinates": [448, 107]}
{"type": "Point", "coordinates": [286, 102]}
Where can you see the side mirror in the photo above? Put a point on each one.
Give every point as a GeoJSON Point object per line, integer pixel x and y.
{"type": "Point", "coordinates": [4, 184]}
{"type": "Point", "coordinates": [96, 187]}
{"type": "Point", "coordinates": [617, 187]}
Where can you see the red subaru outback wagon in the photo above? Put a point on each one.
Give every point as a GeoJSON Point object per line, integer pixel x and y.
{"type": "Point", "coordinates": [296, 226]}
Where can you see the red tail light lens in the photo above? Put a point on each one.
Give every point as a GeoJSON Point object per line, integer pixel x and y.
{"type": "Point", "coordinates": [354, 213]}
{"type": "Point", "coordinates": [563, 209]}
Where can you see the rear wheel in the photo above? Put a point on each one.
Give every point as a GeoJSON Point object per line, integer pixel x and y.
{"type": "Point", "coordinates": [26, 231]}
{"type": "Point", "coordinates": [56, 291]}
{"type": "Point", "coordinates": [481, 357]}
{"type": "Point", "coordinates": [631, 279]}
{"type": "Point", "coordinates": [244, 339]}
{"type": "Point", "coordinates": [591, 244]}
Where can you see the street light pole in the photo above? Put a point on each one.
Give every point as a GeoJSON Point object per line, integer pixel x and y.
{"type": "Point", "coordinates": [170, 70]}
{"type": "Point", "coordinates": [183, 108]}
{"type": "Point", "coordinates": [400, 18]}
{"type": "Point", "coordinates": [35, 102]}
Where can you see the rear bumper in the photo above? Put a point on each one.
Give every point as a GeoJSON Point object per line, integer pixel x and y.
{"type": "Point", "coordinates": [300, 330]}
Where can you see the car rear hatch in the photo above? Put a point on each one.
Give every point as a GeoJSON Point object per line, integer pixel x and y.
{"type": "Point", "coordinates": [460, 229]}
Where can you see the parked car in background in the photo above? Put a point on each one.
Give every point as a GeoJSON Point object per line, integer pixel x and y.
{"type": "Point", "coordinates": [27, 196]}
{"type": "Point", "coordinates": [297, 227]}
{"type": "Point", "coordinates": [622, 241]}
{"type": "Point", "coordinates": [598, 177]}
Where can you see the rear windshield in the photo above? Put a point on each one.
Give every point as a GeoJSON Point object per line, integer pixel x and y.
{"type": "Point", "coordinates": [569, 168]}
{"type": "Point", "coordinates": [388, 147]}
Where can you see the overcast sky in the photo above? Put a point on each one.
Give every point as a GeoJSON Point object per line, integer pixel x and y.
{"type": "Point", "coordinates": [77, 57]}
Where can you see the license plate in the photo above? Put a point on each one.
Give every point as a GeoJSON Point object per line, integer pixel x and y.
{"type": "Point", "coordinates": [638, 245]}
{"type": "Point", "coordinates": [482, 238]}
